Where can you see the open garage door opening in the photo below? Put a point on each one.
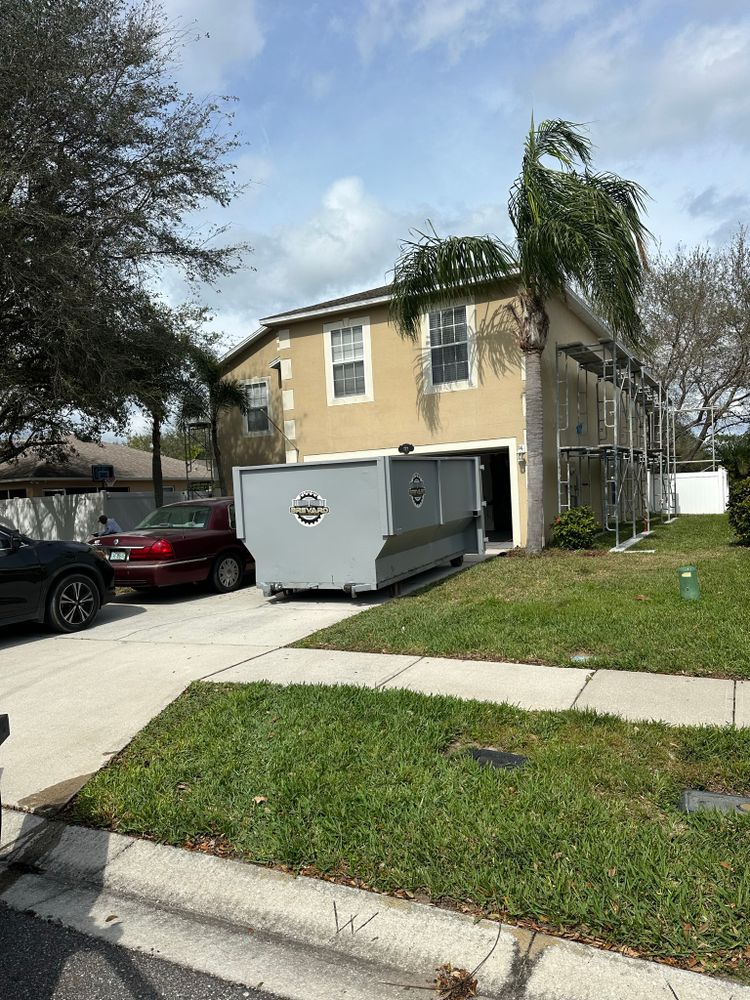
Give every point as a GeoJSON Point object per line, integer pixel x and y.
{"type": "Point", "coordinates": [498, 511]}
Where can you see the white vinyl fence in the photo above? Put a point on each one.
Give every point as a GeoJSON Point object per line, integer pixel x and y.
{"type": "Point", "coordinates": [74, 518]}
{"type": "Point", "coordinates": [702, 492]}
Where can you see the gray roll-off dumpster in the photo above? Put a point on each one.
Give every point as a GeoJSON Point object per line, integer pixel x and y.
{"type": "Point", "coordinates": [357, 525]}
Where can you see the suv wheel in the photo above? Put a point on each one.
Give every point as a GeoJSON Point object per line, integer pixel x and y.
{"type": "Point", "coordinates": [73, 603]}
{"type": "Point", "coordinates": [227, 573]}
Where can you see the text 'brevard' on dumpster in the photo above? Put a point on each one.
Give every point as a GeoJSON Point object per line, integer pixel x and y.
{"type": "Point", "coordinates": [360, 524]}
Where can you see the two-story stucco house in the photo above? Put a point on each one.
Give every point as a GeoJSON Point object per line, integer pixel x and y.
{"type": "Point", "coordinates": [335, 380]}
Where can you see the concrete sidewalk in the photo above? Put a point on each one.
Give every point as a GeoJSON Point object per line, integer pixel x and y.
{"type": "Point", "coordinates": [301, 938]}
{"type": "Point", "coordinates": [677, 700]}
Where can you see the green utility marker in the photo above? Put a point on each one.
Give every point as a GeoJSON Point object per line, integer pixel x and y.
{"type": "Point", "coordinates": [689, 587]}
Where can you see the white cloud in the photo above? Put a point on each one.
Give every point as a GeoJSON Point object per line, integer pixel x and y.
{"type": "Point", "coordinates": [456, 25]}
{"type": "Point", "coordinates": [377, 25]}
{"type": "Point", "coordinates": [349, 242]}
{"type": "Point", "coordinates": [646, 91]}
{"type": "Point", "coordinates": [227, 36]}
{"type": "Point", "coordinates": [553, 15]}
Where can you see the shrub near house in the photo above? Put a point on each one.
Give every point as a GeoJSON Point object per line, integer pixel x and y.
{"type": "Point", "coordinates": [575, 529]}
{"type": "Point", "coordinates": [738, 509]}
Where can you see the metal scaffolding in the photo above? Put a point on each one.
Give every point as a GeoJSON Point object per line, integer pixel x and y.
{"type": "Point", "coordinates": [199, 472]}
{"type": "Point", "coordinates": [615, 437]}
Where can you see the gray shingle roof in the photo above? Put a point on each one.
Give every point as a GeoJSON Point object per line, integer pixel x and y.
{"type": "Point", "coordinates": [128, 463]}
{"type": "Point", "coordinates": [370, 293]}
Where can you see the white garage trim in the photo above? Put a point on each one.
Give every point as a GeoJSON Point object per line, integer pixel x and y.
{"type": "Point", "coordinates": [488, 444]}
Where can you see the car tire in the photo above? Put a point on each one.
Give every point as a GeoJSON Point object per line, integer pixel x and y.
{"type": "Point", "coordinates": [227, 573]}
{"type": "Point", "coordinates": [73, 603]}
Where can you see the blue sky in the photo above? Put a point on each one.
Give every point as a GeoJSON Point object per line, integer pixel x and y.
{"type": "Point", "coordinates": [364, 118]}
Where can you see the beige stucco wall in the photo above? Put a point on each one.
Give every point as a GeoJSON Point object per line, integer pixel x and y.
{"type": "Point", "coordinates": [400, 409]}
{"type": "Point", "coordinates": [238, 447]}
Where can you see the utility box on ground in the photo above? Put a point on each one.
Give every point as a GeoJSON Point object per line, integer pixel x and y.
{"type": "Point", "coordinates": [357, 525]}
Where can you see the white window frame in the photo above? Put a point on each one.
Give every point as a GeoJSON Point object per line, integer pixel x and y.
{"type": "Point", "coordinates": [269, 430]}
{"type": "Point", "coordinates": [345, 322]}
{"type": "Point", "coordinates": [469, 383]}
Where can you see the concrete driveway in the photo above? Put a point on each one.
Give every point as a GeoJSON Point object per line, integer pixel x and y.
{"type": "Point", "coordinates": [76, 700]}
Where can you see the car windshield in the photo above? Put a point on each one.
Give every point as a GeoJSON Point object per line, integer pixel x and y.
{"type": "Point", "coordinates": [186, 516]}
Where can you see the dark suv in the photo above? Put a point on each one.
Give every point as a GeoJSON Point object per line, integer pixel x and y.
{"type": "Point", "coordinates": [61, 583]}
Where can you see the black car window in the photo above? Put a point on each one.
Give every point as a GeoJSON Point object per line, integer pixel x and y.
{"type": "Point", "coordinates": [178, 516]}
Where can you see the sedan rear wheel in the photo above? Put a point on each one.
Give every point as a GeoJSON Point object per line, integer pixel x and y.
{"type": "Point", "coordinates": [73, 603]}
{"type": "Point", "coordinates": [227, 573]}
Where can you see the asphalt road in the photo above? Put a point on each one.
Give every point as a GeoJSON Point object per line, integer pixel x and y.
{"type": "Point", "coordinates": [42, 961]}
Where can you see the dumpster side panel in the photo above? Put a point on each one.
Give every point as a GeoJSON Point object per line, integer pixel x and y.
{"type": "Point", "coordinates": [436, 511]}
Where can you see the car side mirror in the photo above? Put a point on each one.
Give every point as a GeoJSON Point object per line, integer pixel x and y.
{"type": "Point", "coordinates": [15, 541]}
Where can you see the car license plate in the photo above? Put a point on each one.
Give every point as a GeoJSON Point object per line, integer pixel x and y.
{"type": "Point", "coordinates": [118, 555]}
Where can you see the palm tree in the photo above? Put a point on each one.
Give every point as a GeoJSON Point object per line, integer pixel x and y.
{"type": "Point", "coordinates": [573, 227]}
{"type": "Point", "coordinates": [209, 395]}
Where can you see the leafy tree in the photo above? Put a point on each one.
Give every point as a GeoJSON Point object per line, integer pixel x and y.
{"type": "Point", "coordinates": [172, 444]}
{"type": "Point", "coordinates": [209, 394]}
{"type": "Point", "coordinates": [102, 160]}
{"type": "Point", "coordinates": [572, 227]}
{"type": "Point", "coordinates": [696, 316]}
{"type": "Point", "coordinates": [159, 375]}
{"type": "Point", "coordinates": [733, 452]}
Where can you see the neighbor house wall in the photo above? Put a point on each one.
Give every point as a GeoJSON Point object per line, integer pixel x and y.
{"type": "Point", "coordinates": [37, 487]}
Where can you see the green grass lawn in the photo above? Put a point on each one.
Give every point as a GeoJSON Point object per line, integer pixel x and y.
{"type": "Point", "coordinates": [374, 786]}
{"type": "Point", "coordinates": [624, 609]}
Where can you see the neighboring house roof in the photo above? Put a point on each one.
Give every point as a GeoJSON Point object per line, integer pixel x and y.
{"type": "Point", "coordinates": [128, 463]}
{"type": "Point", "coordinates": [382, 294]}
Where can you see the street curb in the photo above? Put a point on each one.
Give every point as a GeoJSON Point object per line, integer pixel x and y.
{"type": "Point", "coordinates": [348, 929]}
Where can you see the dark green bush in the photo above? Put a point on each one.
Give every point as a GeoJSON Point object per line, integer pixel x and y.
{"type": "Point", "coordinates": [575, 528]}
{"type": "Point", "coordinates": [738, 509]}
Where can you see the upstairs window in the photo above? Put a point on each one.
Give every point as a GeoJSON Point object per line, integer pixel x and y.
{"type": "Point", "coordinates": [449, 346]}
{"type": "Point", "coordinates": [348, 361]}
{"type": "Point", "coordinates": [256, 418]}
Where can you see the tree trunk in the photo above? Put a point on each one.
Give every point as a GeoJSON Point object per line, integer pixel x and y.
{"type": "Point", "coordinates": [533, 329]}
{"type": "Point", "coordinates": [534, 453]}
{"type": "Point", "coordinates": [218, 469]}
{"type": "Point", "coordinates": [156, 473]}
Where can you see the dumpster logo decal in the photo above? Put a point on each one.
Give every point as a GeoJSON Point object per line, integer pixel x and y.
{"type": "Point", "coordinates": [417, 490]}
{"type": "Point", "coordinates": [309, 508]}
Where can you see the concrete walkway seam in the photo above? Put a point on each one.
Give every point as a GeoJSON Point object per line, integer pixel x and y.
{"type": "Point", "coordinates": [247, 659]}
{"type": "Point", "coordinates": [350, 925]}
{"type": "Point", "coordinates": [583, 688]}
{"type": "Point", "coordinates": [382, 684]}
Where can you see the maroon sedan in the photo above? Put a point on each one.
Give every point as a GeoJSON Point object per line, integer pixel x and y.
{"type": "Point", "coordinates": [185, 542]}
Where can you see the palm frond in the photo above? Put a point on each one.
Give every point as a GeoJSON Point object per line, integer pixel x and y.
{"type": "Point", "coordinates": [579, 227]}
{"type": "Point", "coordinates": [433, 270]}
{"type": "Point", "coordinates": [563, 141]}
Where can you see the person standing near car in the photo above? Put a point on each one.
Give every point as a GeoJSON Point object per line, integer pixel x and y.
{"type": "Point", "coordinates": [108, 526]}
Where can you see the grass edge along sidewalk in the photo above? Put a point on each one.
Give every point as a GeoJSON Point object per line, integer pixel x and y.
{"type": "Point", "coordinates": [616, 610]}
{"type": "Point", "coordinates": [373, 789]}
